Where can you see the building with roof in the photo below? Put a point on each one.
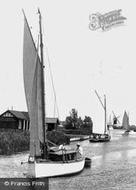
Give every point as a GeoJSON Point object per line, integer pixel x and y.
{"type": "Point", "coordinates": [12, 119]}
{"type": "Point", "coordinates": [52, 123]}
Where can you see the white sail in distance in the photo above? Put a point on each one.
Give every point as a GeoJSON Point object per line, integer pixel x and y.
{"type": "Point", "coordinates": [125, 121]}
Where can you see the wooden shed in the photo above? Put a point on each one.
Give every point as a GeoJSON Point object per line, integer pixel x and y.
{"type": "Point", "coordinates": [52, 123]}
{"type": "Point", "coordinates": [12, 119]}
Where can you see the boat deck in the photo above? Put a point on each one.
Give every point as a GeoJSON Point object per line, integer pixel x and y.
{"type": "Point", "coordinates": [65, 155]}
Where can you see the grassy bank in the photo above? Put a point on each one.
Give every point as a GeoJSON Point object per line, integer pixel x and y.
{"type": "Point", "coordinates": [13, 141]}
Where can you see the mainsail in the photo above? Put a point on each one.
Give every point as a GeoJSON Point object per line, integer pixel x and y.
{"type": "Point", "coordinates": [125, 121]}
{"type": "Point", "coordinates": [32, 70]}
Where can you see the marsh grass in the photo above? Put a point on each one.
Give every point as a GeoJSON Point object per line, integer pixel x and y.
{"type": "Point", "coordinates": [13, 140]}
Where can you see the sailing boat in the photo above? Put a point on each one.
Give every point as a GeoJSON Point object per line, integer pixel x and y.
{"type": "Point", "coordinates": [46, 162]}
{"type": "Point", "coordinates": [96, 137]}
{"type": "Point", "coordinates": [125, 124]}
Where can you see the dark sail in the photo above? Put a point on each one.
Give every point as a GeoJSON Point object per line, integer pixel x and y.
{"type": "Point", "coordinates": [32, 69]}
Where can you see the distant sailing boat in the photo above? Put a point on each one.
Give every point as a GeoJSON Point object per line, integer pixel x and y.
{"type": "Point", "coordinates": [96, 137]}
{"type": "Point", "coordinates": [45, 162]}
{"type": "Point", "coordinates": [125, 123]}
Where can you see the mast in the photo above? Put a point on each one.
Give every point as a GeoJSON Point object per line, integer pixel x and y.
{"type": "Point", "coordinates": [43, 88]}
{"type": "Point", "coordinates": [105, 114]}
{"type": "Point", "coordinates": [104, 107]}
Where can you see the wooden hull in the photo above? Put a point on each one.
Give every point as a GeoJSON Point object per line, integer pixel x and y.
{"type": "Point", "coordinates": [100, 138]}
{"type": "Point", "coordinates": [117, 127]}
{"type": "Point", "coordinates": [53, 169]}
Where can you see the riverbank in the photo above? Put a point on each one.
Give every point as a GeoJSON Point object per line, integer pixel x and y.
{"type": "Point", "coordinates": [13, 141]}
{"type": "Point", "coordinates": [77, 134]}
{"type": "Point", "coordinates": [77, 137]}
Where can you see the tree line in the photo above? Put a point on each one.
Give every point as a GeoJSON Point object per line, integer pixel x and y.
{"type": "Point", "coordinates": [73, 121]}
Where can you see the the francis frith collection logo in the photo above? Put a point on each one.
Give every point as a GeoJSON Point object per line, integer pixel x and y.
{"type": "Point", "coordinates": [106, 21]}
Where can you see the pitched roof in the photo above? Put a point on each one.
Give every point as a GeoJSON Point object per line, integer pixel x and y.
{"type": "Point", "coordinates": [52, 120]}
{"type": "Point", "coordinates": [20, 114]}
{"type": "Point", "coordinates": [25, 116]}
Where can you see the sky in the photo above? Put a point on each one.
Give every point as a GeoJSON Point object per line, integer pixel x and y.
{"type": "Point", "coordinates": [81, 60]}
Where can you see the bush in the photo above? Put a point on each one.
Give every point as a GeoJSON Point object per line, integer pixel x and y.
{"type": "Point", "coordinates": [57, 137]}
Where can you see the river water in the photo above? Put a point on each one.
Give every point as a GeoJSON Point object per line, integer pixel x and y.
{"type": "Point", "coordinates": [113, 166]}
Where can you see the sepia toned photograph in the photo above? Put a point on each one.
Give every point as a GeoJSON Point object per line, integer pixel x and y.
{"type": "Point", "coordinates": [67, 101]}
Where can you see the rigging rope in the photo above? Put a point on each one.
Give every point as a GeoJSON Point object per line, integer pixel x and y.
{"type": "Point", "coordinates": [55, 98]}
{"type": "Point", "coordinates": [51, 75]}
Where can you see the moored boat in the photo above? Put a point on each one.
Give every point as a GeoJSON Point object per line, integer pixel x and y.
{"type": "Point", "coordinates": [43, 161]}
{"type": "Point", "coordinates": [96, 137]}
{"type": "Point", "coordinates": [44, 168]}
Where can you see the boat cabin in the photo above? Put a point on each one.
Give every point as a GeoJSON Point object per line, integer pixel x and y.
{"type": "Point", "coordinates": [65, 155]}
